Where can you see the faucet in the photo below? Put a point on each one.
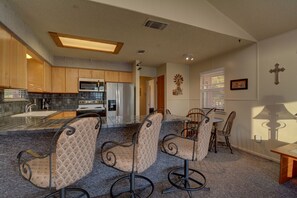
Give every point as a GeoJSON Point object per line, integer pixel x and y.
{"type": "Point", "coordinates": [29, 106]}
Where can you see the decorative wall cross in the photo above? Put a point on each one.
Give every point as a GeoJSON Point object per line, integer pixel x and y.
{"type": "Point", "coordinates": [275, 71]}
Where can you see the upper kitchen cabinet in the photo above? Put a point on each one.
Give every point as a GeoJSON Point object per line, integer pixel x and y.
{"type": "Point", "coordinates": [125, 77]}
{"type": "Point", "coordinates": [39, 76]}
{"type": "Point", "coordinates": [98, 74]}
{"type": "Point", "coordinates": [5, 38]}
{"type": "Point", "coordinates": [35, 74]}
{"type": "Point", "coordinates": [91, 73]}
{"type": "Point", "coordinates": [71, 80]}
{"type": "Point", "coordinates": [18, 65]}
{"type": "Point", "coordinates": [58, 79]}
{"type": "Point", "coordinates": [111, 76]}
{"type": "Point", "coordinates": [85, 73]}
{"type": "Point", "coordinates": [13, 63]}
{"type": "Point", "coordinates": [47, 77]}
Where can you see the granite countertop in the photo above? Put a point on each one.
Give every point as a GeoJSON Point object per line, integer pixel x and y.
{"type": "Point", "coordinates": [16, 125]}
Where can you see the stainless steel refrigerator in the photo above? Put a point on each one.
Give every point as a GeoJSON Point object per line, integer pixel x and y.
{"type": "Point", "coordinates": [120, 99]}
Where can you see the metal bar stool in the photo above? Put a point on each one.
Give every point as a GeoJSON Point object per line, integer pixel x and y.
{"type": "Point", "coordinates": [70, 157]}
{"type": "Point", "coordinates": [193, 148]}
{"type": "Point", "coordinates": [134, 157]}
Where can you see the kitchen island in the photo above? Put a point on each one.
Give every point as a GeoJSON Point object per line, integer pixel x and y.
{"type": "Point", "coordinates": [35, 133]}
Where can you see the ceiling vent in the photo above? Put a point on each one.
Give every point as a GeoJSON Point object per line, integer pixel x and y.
{"type": "Point", "coordinates": [155, 24]}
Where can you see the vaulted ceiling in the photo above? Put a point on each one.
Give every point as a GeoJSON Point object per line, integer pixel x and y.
{"type": "Point", "coordinates": [203, 28]}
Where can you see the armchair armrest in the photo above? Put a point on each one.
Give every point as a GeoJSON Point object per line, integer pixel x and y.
{"type": "Point", "coordinates": [25, 156]}
{"type": "Point", "coordinates": [108, 155]}
{"type": "Point", "coordinates": [170, 146]}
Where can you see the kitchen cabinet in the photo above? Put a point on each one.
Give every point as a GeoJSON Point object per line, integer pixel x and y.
{"type": "Point", "coordinates": [35, 71]}
{"type": "Point", "coordinates": [13, 63]}
{"type": "Point", "coordinates": [18, 65]}
{"type": "Point", "coordinates": [85, 73]}
{"type": "Point", "coordinates": [58, 79]}
{"type": "Point", "coordinates": [98, 74]}
{"type": "Point", "coordinates": [111, 76]}
{"type": "Point", "coordinates": [4, 57]}
{"type": "Point", "coordinates": [39, 76]}
{"type": "Point", "coordinates": [91, 73]}
{"type": "Point", "coordinates": [47, 77]}
{"type": "Point", "coordinates": [125, 77]}
{"type": "Point", "coordinates": [71, 80]}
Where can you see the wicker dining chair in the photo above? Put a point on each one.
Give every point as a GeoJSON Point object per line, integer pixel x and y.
{"type": "Point", "coordinates": [226, 131]}
{"type": "Point", "coordinates": [70, 157]}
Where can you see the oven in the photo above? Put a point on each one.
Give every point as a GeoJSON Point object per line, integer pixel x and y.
{"type": "Point", "coordinates": [91, 106]}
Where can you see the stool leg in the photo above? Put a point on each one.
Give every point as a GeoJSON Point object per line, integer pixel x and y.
{"type": "Point", "coordinates": [132, 184]}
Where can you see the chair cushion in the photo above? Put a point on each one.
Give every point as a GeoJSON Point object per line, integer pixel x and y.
{"type": "Point", "coordinates": [182, 147]}
{"type": "Point", "coordinates": [120, 158]}
{"type": "Point", "coordinates": [40, 171]}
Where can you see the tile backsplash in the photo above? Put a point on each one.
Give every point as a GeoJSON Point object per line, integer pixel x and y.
{"type": "Point", "coordinates": [56, 102]}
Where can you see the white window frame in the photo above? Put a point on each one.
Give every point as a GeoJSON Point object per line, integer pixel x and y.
{"type": "Point", "coordinates": [204, 88]}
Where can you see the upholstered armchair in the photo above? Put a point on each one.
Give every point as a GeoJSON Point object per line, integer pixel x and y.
{"type": "Point", "coordinates": [70, 157]}
{"type": "Point", "coordinates": [193, 148]}
{"type": "Point", "coordinates": [134, 157]}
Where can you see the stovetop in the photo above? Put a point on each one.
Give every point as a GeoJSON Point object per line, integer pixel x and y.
{"type": "Point", "coordinates": [91, 105]}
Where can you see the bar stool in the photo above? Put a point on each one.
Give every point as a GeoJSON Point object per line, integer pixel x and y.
{"type": "Point", "coordinates": [70, 157]}
{"type": "Point", "coordinates": [134, 157]}
{"type": "Point", "coordinates": [193, 148]}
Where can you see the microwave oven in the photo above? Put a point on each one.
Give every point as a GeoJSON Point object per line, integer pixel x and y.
{"type": "Point", "coordinates": [91, 84]}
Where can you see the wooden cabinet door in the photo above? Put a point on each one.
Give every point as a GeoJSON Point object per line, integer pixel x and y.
{"type": "Point", "coordinates": [47, 77]}
{"type": "Point", "coordinates": [35, 74]}
{"type": "Point", "coordinates": [111, 76]}
{"type": "Point", "coordinates": [98, 74]}
{"type": "Point", "coordinates": [125, 77]}
{"type": "Point", "coordinates": [18, 66]}
{"type": "Point", "coordinates": [58, 80]}
{"type": "Point", "coordinates": [72, 80]}
{"type": "Point", "coordinates": [85, 73]}
{"type": "Point", "coordinates": [5, 38]}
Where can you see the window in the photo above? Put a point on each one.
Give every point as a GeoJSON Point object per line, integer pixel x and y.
{"type": "Point", "coordinates": [212, 89]}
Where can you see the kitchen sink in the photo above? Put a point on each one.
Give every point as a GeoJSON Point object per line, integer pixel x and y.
{"type": "Point", "coordinates": [34, 114]}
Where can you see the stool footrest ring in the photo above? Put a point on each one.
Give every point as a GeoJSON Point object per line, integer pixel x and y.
{"type": "Point", "coordinates": [132, 190]}
{"type": "Point", "coordinates": [186, 182]}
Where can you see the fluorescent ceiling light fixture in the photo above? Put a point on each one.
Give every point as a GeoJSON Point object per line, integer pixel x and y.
{"type": "Point", "coordinates": [28, 56]}
{"type": "Point", "coordinates": [70, 41]}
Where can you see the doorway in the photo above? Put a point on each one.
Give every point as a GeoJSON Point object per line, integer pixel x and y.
{"type": "Point", "coordinates": [160, 93]}
{"type": "Point", "coordinates": [147, 94]}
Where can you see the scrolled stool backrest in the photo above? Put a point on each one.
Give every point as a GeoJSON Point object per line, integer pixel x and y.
{"type": "Point", "coordinates": [203, 137]}
{"type": "Point", "coordinates": [75, 150]}
{"type": "Point", "coordinates": [147, 145]}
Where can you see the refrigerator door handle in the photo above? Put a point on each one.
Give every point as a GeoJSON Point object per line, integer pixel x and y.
{"type": "Point", "coordinates": [117, 101]}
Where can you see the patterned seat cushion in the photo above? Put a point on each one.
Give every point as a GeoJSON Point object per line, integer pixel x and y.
{"type": "Point", "coordinates": [120, 158]}
{"type": "Point", "coordinates": [40, 171]}
{"type": "Point", "coordinates": [181, 147]}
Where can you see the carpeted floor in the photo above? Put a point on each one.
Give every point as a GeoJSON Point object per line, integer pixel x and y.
{"type": "Point", "coordinates": [235, 176]}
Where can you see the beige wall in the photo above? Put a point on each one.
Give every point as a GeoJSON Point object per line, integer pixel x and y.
{"type": "Point", "coordinates": [177, 104]}
{"type": "Point", "coordinates": [254, 63]}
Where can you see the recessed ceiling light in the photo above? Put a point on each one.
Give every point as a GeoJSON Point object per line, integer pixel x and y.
{"type": "Point", "coordinates": [188, 57]}
{"type": "Point", "coordinates": [71, 41]}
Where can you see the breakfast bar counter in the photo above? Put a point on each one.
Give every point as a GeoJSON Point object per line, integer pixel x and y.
{"type": "Point", "coordinates": [21, 133]}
